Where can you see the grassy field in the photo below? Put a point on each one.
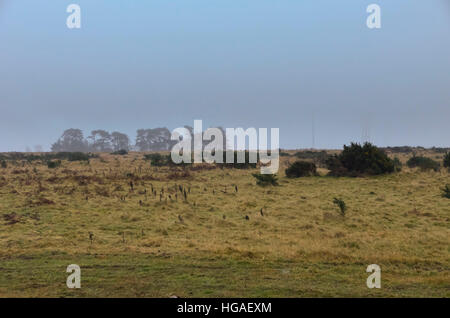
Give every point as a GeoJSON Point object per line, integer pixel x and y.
{"type": "Point", "coordinates": [130, 242]}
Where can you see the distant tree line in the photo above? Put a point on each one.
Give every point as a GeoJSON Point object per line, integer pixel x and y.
{"type": "Point", "coordinates": [156, 139]}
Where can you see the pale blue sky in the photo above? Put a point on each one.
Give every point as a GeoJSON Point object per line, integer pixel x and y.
{"type": "Point", "coordinates": [250, 63]}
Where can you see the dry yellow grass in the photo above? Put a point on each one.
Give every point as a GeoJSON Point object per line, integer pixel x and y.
{"type": "Point", "coordinates": [146, 245]}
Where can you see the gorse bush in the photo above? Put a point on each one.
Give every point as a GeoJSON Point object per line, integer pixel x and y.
{"type": "Point", "coordinates": [159, 160]}
{"type": "Point", "coordinates": [301, 169]}
{"type": "Point", "coordinates": [265, 179]}
{"type": "Point", "coordinates": [423, 163]}
{"type": "Point", "coordinates": [446, 191]}
{"type": "Point", "coordinates": [341, 205]}
{"type": "Point", "coordinates": [121, 152]}
{"type": "Point", "coordinates": [397, 165]}
{"type": "Point", "coordinates": [447, 160]}
{"type": "Point", "coordinates": [356, 160]}
{"type": "Point", "coordinates": [54, 164]}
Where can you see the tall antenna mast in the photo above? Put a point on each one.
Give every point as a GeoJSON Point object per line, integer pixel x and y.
{"type": "Point", "coordinates": [365, 137]}
{"type": "Point", "coordinates": [313, 128]}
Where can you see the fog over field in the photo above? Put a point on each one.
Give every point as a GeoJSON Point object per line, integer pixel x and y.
{"type": "Point", "coordinates": [283, 64]}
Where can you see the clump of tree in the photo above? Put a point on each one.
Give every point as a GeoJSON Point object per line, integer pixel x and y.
{"type": "Point", "coordinates": [72, 140]}
{"type": "Point", "coordinates": [424, 163]}
{"type": "Point", "coordinates": [356, 160]}
{"type": "Point", "coordinates": [157, 139]}
{"type": "Point", "coordinates": [265, 179]}
{"type": "Point", "coordinates": [447, 160]}
{"type": "Point", "coordinates": [301, 169]}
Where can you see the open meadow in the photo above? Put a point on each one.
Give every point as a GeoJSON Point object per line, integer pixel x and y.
{"type": "Point", "coordinates": [206, 231]}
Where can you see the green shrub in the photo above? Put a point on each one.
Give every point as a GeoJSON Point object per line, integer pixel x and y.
{"type": "Point", "coordinates": [356, 160]}
{"type": "Point", "coordinates": [77, 156]}
{"type": "Point", "coordinates": [54, 164]}
{"type": "Point", "coordinates": [158, 160]}
{"type": "Point", "coordinates": [265, 179]}
{"type": "Point", "coordinates": [121, 152]}
{"type": "Point", "coordinates": [301, 169]}
{"type": "Point", "coordinates": [423, 163]}
{"type": "Point", "coordinates": [341, 204]}
{"type": "Point", "coordinates": [447, 160]}
{"type": "Point", "coordinates": [4, 164]}
{"type": "Point", "coordinates": [397, 165]}
{"type": "Point", "coordinates": [446, 191]}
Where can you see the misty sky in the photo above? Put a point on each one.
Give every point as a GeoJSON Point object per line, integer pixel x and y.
{"type": "Point", "coordinates": [247, 63]}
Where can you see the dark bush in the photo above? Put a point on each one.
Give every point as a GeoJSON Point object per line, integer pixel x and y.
{"type": "Point", "coordinates": [76, 156]}
{"type": "Point", "coordinates": [397, 165]}
{"type": "Point", "coordinates": [301, 169]}
{"type": "Point", "coordinates": [4, 164]}
{"type": "Point", "coordinates": [356, 160]}
{"type": "Point", "coordinates": [446, 191]}
{"type": "Point", "coordinates": [158, 160]}
{"type": "Point", "coordinates": [54, 164]}
{"type": "Point", "coordinates": [341, 204]}
{"type": "Point", "coordinates": [265, 179]}
{"type": "Point", "coordinates": [447, 160]}
{"type": "Point", "coordinates": [121, 152]}
{"type": "Point", "coordinates": [423, 163]}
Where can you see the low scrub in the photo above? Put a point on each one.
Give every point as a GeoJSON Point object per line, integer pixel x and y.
{"type": "Point", "coordinates": [159, 160]}
{"type": "Point", "coordinates": [265, 179]}
{"type": "Point", "coordinates": [447, 160]}
{"type": "Point", "coordinates": [54, 164]}
{"type": "Point", "coordinates": [45, 157]}
{"type": "Point", "coordinates": [423, 163]}
{"type": "Point", "coordinates": [446, 191]}
{"type": "Point", "coordinates": [341, 205]}
{"type": "Point", "coordinates": [121, 152]}
{"type": "Point", "coordinates": [301, 169]}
